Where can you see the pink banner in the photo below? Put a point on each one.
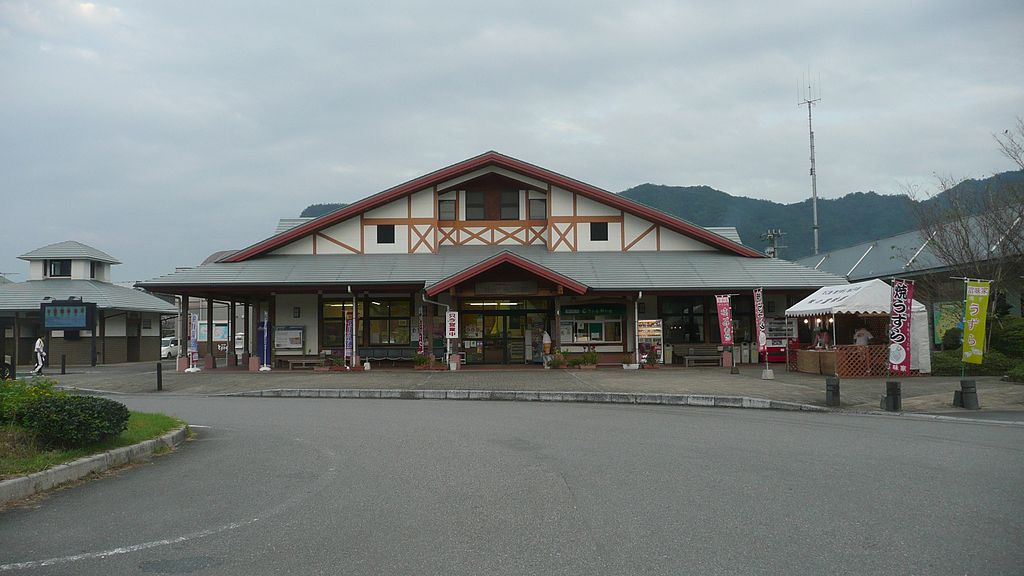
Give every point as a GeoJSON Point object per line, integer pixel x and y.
{"type": "Point", "coordinates": [724, 319]}
{"type": "Point", "coordinates": [899, 326]}
{"type": "Point", "coordinates": [762, 336]}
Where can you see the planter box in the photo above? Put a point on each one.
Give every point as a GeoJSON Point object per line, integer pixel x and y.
{"type": "Point", "coordinates": [651, 366]}
{"type": "Point", "coordinates": [630, 366]}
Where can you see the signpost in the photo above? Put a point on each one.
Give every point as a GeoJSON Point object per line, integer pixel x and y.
{"type": "Point", "coordinates": [193, 343]}
{"type": "Point", "coordinates": [451, 332]}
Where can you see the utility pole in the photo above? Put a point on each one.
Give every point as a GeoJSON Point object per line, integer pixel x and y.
{"type": "Point", "coordinates": [810, 100]}
{"type": "Point", "coordinates": [774, 239]}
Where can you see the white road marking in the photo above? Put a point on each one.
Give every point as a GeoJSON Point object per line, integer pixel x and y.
{"type": "Point", "coordinates": [124, 549]}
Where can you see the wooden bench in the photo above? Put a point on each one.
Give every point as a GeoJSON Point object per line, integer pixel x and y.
{"type": "Point", "coordinates": [707, 355]}
{"type": "Point", "coordinates": [304, 362]}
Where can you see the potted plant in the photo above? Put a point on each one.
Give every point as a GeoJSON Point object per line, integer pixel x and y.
{"type": "Point", "coordinates": [337, 364]}
{"type": "Point", "coordinates": [588, 360]}
{"type": "Point", "coordinates": [651, 360]}
{"type": "Point", "coordinates": [421, 361]}
{"type": "Point", "coordinates": [629, 362]}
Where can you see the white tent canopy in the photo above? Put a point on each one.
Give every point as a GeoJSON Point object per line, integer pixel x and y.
{"type": "Point", "coordinates": [870, 297]}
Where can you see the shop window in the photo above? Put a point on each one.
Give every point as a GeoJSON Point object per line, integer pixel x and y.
{"type": "Point", "coordinates": [389, 321]}
{"type": "Point", "coordinates": [60, 268]}
{"type": "Point", "coordinates": [683, 319]}
{"type": "Point", "coordinates": [333, 332]}
{"type": "Point", "coordinates": [446, 210]}
{"type": "Point", "coordinates": [475, 205]}
{"type": "Point", "coordinates": [509, 205]}
{"type": "Point", "coordinates": [385, 234]}
{"type": "Point", "coordinates": [598, 231]}
{"type": "Point", "coordinates": [538, 209]}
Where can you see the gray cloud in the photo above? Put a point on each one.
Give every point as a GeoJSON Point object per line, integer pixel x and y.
{"type": "Point", "coordinates": [161, 132]}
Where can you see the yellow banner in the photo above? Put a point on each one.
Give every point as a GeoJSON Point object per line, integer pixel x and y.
{"type": "Point", "coordinates": [975, 312]}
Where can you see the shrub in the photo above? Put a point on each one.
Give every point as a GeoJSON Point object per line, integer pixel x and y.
{"type": "Point", "coordinates": [947, 363]}
{"type": "Point", "coordinates": [15, 393]}
{"type": "Point", "coordinates": [73, 421]}
{"type": "Point", "coordinates": [1017, 373]}
{"type": "Point", "coordinates": [588, 358]}
{"type": "Point", "coordinates": [1008, 336]}
{"type": "Point", "coordinates": [952, 339]}
{"type": "Point", "coordinates": [421, 359]}
{"type": "Point", "coordinates": [557, 360]}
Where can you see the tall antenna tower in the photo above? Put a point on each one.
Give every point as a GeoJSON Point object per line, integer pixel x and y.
{"type": "Point", "coordinates": [809, 99]}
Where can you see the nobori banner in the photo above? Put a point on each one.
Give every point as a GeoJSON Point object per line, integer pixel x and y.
{"type": "Point", "coordinates": [899, 326]}
{"type": "Point", "coordinates": [451, 325]}
{"type": "Point", "coordinates": [724, 319]}
{"type": "Point", "coordinates": [762, 336]}
{"type": "Point", "coordinates": [975, 311]}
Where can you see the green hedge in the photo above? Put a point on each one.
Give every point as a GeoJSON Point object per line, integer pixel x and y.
{"type": "Point", "coordinates": [73, 421]}
{"type": "Point", "coordinates": [1008, 336]}
{"type": "Point", "coordinates": [15, 393]}
{"type": "Point", "coordinates": [947, 363]}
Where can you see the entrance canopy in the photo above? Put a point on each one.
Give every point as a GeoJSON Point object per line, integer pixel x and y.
{"type": "Point", "coordinates": [870, 298]}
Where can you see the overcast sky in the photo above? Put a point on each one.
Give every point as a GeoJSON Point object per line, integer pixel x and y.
{"type": "Point", "coordinates": [161, 132]}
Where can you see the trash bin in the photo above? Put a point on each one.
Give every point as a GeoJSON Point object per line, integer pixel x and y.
{"type": "Point", "coordinates": [969, 394]}
{"type": "Point", "coordinates": [832, 391]}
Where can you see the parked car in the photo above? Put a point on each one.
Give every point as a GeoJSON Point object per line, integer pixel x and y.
{"type": "Point", "coordinates": [169, 348]}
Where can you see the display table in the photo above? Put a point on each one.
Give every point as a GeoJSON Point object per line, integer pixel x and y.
{"type": "Point", "coordinates": [843, 361]}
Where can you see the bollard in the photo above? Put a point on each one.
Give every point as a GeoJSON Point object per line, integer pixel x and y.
{"type": "Point", "coordinates": [159, 376]}
{"type": "Point", "coordinates": [969, 394]}
{"type": "Point", "coordinates": [893, 396]}
{"type": "Point", "coordinates": [832, 391]}
{"type": "Point", "coordinates": [63, 364]}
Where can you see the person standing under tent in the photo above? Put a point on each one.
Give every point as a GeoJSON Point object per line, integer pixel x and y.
{"type": "Point", "coordinates": [40, 350]}
{"type": "Point", "coordinates": [862, 336]}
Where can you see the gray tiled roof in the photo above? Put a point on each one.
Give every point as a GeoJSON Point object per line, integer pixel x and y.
{"type": "Point", "coordinates": [28, 295]}
{"type": "Point", "coordinates": [598, 270]}
{"type": "Point", "coordinates": [69, 249]}
{"type": "Point", "coordinates": [892, 256]}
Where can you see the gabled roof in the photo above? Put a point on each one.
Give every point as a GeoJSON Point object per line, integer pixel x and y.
{"type": "Point", "coordinates": [28, 295]}
{"type": "Point", "coordinates": [505, 257]}
{"type": "Point", "coordinates": [69, 249]}
{"type": "Point", "coordinates": [486, 159]}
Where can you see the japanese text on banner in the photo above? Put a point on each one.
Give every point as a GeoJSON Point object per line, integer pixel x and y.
{"type": "Point", "coordinates": [975, 311]}
{"type": "Point", "coordinates": [724, 319]}
{"type": "Point", "coordinates": [899, 326]}
{"type": "Point", "coordinates": [762, 336]}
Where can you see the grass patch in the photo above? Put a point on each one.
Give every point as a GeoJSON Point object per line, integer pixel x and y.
{"type": "Point", "coordinates": [21, 454]}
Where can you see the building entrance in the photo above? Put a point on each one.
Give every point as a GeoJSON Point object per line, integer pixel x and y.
{"type": "Point", "coordinates": [500, 332]}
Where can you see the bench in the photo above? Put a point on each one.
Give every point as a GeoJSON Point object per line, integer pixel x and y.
{"type": "Point", "coordinates": [707, 355]}
{"type": "Point", "coordinates": [390, 353]}
{"type": "Point", "coordinates": [306, 362]}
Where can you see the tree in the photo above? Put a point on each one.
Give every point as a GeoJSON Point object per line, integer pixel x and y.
{"type": "Point", "coordinates": [976, 233]}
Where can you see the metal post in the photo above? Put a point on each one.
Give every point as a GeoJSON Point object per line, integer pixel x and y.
{"type": "Point", "coordinates": [92, 346]}
{"type": "Point", "coordinates": [63, 364]}
{"type": "Point", "coordinates": [159, 376]}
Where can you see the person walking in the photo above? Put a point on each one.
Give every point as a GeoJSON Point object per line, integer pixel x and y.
{"type": "Point", "coordinates": [40, 350]}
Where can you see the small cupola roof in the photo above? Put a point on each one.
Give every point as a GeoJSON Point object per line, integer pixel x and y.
{"type": "Point", "coordinates": [69, 250]}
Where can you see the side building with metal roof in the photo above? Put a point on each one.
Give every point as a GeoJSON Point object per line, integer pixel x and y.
{"type": "Point", "coordinates": [515, 249]}
{"type": "Point", "coordinates": [127, 323]}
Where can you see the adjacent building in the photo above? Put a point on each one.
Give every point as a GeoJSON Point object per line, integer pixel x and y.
{"type": "Point", "coordinates": [127, 323]}
{"type": "Point", "coordinates": [516, 250]}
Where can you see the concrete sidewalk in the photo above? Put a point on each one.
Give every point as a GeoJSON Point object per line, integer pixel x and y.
{"type": "Point", "coordinates": [931, 394]}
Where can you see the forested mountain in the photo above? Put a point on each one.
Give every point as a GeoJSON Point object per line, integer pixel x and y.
{"type": "Point", "coordinates": [854, 218]}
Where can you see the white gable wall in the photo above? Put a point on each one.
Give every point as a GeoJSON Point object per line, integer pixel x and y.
{"type": "Point", "coordinates": [423, 204]}
{"type": "Point", "coordinates": [561, 202]}
{"type": "Point", "coordinates": [346, 232]}
{"type": "Point", "coordinates": [588, 207]}
{"type": "Point", "coordinates": [394, 209]}
{"type": "Point", "coordinates": [613, 244]}
{"type": "Point", "coordinates": [674, 241]}
{"type": "Point", "coordinates": [303, 245]}
{"type": "Point", "coordinates": [634, 227]}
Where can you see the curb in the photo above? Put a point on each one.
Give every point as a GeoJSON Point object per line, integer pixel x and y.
{"type": "Point", "coordinates": [25, 486]}
{"type": "Point", "coordinates": [535, 396]}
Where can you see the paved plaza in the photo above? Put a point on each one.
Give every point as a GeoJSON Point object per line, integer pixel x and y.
{"type": "Point", "coordinates": [922, 394]}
